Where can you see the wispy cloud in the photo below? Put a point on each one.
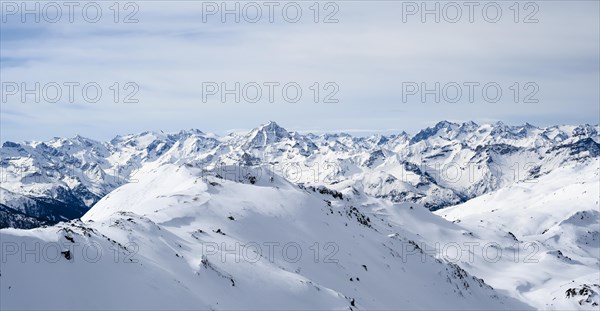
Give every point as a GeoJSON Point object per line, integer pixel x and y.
{"type": "Point", "coordinates": [368, 54]}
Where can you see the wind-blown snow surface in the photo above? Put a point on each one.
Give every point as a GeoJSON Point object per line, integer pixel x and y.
{"type": "Point", "coordinates": [178, 216]}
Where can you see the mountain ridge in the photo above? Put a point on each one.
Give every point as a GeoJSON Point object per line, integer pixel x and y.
{"type": "Point", "coordinates": [74, 173]}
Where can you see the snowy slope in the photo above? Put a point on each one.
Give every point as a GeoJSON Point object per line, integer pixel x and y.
{"type": "Point", "coordinates": [556, 221]}
{"type": "Point", "coordinates": [187, 225]}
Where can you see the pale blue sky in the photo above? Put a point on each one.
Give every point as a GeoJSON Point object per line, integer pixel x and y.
{"type": "Point", "coordinates": [369, 53]}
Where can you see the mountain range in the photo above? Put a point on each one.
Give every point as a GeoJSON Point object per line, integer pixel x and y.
{"type": "Point", "coordinates": [457, 216]}
{"type": "Point", "coordinates": [440, 166]}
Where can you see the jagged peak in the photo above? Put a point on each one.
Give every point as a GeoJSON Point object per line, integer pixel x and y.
{"type": "Point", "coordinates": [267, 133]}
{"type": "Point", "coordinates": [444, 124]}
{"type": "Point", "coordinates": [431, 131]}
{"type": "Point", "coordinates": [585, 129]}
{"type": "Point", "coordinates": [498, 127]}
{"type": "Point", "coordinates": [10, 144]}
{"type": "Point", "coordinates": [84, 139]}
{"type": "Point", "coordinates": [272, 126]}
{"type": "Point", "coordinates": [192, 131]}
{"type": "Point", "coordinates": [469, 124]}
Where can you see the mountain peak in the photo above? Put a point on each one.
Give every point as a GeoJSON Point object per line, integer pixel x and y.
{"type": "Point", "coordinates": [432, 131]}
{"type": "Point", "coordinates": [266, 134]}
{"type": "Point", "coordinates": [444, 124]}
{"type": "Point", "coordinates": [272, 126]}
{"type": "Point", "coordinates": [469, 124]}
{"type": "Point", "coordinates": [191, 131]}
{"type": "Point", "coordinates": [529, 126]}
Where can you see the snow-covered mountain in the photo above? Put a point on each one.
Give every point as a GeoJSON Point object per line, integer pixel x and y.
{"type": "Point", "coordinates": [279, 220]}
{"type": "Point", "coordinates": [204, 242]}
{"type": "Point", "coordinates": [444, 165]}
{"type": "Point", "coordinates": [555, 217]}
